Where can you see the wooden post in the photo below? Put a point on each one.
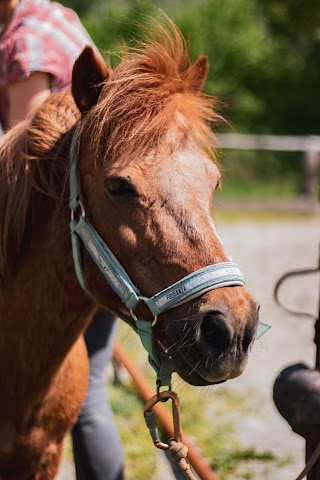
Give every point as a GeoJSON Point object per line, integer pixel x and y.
{"type": "Point", "coordinates": [311, 169]}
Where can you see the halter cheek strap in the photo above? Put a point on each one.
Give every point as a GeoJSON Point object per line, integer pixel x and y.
{"type": "Point", "coordinates": [192, 286]}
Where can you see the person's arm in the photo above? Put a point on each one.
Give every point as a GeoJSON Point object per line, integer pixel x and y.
{"type": "Point", "coordinates": [26, 95]}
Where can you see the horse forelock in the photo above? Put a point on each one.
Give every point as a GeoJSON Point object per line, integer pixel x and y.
{"type": "Point", "coordinates": [27, 153]}
{"type": "Point", "coordinates": [146, 95]}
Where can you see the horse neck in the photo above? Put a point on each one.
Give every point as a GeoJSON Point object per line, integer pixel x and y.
{"type": "Point", "coordinates": [43, 309]}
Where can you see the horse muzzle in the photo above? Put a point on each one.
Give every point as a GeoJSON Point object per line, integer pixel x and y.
{"type": "Point", "coordinates": [212, 346]}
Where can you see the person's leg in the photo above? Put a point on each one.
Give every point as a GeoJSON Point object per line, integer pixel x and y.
{"type": "Point", "coordinates": [96, 444]}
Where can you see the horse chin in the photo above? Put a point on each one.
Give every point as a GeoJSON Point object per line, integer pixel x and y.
{"type": "Point", "coordinates": [196, 380]}
{"type": "Point", "coordinates": [198, 375]}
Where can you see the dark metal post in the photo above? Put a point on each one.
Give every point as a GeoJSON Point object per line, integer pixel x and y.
{"type": "Point", "coordinates": [317, 333]}
{"type": "Point", "coordinates": [310, 446]}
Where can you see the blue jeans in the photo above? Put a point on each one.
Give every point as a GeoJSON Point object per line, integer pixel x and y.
{"type": "Point", "coordinates": [96, 444]}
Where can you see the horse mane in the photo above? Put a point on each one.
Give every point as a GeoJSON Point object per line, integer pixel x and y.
{"type": "Point", "coordinates": [148, 93]}
{"type": "Point", "coordinates": [32, 159]}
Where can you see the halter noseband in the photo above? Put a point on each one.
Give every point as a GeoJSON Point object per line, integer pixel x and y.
{"type": "Point", "coordinates": [192, 286]}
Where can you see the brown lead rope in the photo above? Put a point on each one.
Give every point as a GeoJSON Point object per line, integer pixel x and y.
{"type": "Point", "coordinates": [312, 460]}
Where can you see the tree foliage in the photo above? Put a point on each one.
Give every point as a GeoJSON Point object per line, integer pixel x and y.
{"type": "Point", "coordinates": [264, 56]}
{"type": "Point", "coordinates": [293, 81]}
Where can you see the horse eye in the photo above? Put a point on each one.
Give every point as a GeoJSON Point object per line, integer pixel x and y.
{"type": "Point", "coordinates": [120, 188]}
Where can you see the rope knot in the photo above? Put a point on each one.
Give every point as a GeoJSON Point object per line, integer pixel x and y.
{"type": "Point", "coordinates": [177, 450]}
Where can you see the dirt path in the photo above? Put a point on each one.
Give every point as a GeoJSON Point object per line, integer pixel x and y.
{"type": "Point", "coordinates": [264, 251]}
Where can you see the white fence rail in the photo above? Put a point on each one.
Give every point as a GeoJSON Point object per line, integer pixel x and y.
{"type": "Point", "coordinates": [285, 143]}
{"type": "Point", "coordinates": [309, 145]}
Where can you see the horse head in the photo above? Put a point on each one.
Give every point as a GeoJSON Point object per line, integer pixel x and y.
{"type": "Point", "coordinates": [147, 184]}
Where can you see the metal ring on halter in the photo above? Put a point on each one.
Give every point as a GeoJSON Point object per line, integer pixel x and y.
{"type": "Point", "coordinates": [135, 318]}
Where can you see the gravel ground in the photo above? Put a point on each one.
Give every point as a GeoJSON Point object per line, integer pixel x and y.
{"type": "Point", "coordinates": [265, 250]}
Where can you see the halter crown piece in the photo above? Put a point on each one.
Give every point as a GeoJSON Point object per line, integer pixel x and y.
{"type": "Point", "coordinates": [192, 286]}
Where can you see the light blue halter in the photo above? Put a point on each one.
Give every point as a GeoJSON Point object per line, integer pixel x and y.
{"type": "Point", "coordinates": [192, 286]}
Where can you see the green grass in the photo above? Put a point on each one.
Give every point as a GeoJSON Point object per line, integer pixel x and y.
{"type": "Point", "coordinates": [230, 215]}
{"type": "Point", "coordinates": [249, 188]}
{"type": "Point", "coordinates": [261, 174]}
{"type": "Point", "coordinates": [140, 459]}
{"type": "Point", "coordinates": [234, 458]}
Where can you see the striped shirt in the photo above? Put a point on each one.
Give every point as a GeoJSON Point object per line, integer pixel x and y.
{"type": "Point", "coordinates": [42, 36]}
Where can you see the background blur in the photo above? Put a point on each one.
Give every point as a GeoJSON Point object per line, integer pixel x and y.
{"type": "Point", "coordinates": [264, 60]}
{"type": "Point", "coordinates": [264, 65]}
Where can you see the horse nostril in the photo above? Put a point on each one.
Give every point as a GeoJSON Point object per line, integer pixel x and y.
{"type": "Point", "coordinates": [215, 333]}
{"type": "Point", "coordinates": [247, 339]}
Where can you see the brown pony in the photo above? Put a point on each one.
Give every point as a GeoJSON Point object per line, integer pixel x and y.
{"type": "Point", "coordinates": [147, 183]}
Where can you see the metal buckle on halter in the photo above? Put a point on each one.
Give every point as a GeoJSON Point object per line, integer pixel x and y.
{"type": "Point", "coordinates": [159, 393]}
{"type": "Point", "coordinates": [83, 212]}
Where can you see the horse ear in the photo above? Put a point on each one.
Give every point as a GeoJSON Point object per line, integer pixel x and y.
{"type": "Point", "coordinates": [196, 75]}
{"type": "Point", "coordinates": [88, 73]}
